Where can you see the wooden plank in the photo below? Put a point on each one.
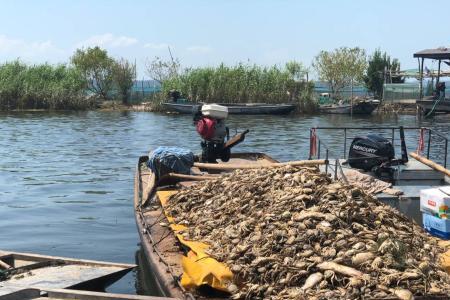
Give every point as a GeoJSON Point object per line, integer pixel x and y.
{"type": "Point", "coordinates": [259, 166]}
{"type": "Point", "coordinates": [63, 294]}
{"type": "Point", "coordinates": [430, 163]}
{"type": "Point", "coordinates": [61, 276]}
{"type": "Point", "coordinates": [38, 257]}
{"type": "Point", "coordinates": [86, 295]}
{"type": "Point", "coordinates": [4, 265]}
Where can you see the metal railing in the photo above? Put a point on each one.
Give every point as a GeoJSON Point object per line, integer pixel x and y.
{"type": "Point", "coordinates": [431, 135]}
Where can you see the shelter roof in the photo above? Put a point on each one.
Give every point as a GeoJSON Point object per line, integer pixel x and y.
{"type": "Point", "coordinates": [439, 53]}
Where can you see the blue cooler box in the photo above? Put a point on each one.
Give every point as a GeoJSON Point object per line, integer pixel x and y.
{"type": "Point", "coordinates": [436, 226]}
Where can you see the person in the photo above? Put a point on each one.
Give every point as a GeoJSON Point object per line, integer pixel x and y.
{"type": "Point", "coordinates": [440, 90]}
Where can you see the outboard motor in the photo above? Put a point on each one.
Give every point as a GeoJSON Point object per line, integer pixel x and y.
{"type": "Point", "coordinates": [210, 124]}
{"type": "Point", "coordinates": [377, 154]}
{"type": "Point", "coordinates": [367, 152]}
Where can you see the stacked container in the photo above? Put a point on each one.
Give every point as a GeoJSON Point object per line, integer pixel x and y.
{"type": "Point", "coordinates": [435, 207]}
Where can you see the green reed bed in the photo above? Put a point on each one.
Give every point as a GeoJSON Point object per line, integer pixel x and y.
{"type": "Point", "coordinates": [41, 86]}
{"type": "Point", "coordinates": [244, 84]}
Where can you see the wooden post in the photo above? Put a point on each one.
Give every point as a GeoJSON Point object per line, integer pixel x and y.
{"type": "Point", "coordinates": [351, 98]}
{"type": "Point", "coordinates": [421, 78]}
{"type": "Point", "coordinates": [384, 83]}
{"type": "Point", "coordinates": [439, 73]}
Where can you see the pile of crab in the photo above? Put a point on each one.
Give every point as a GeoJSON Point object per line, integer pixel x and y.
{"type": "Point", "coordinates": [293, 233]}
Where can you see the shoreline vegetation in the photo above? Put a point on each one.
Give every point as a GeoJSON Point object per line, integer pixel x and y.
{"type": "Point", "coordinates": [93, 80]}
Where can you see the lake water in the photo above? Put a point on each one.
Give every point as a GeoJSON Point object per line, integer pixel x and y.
{"type": "Point", "coordinates": [66, 179]}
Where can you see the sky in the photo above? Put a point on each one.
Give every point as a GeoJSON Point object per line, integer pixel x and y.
{"type": "Point", "coordinates": [206, 33]}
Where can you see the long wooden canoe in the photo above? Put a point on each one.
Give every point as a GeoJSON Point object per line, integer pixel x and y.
{"type": "Point", "coordinates": [237, 109]}
{"type": "Point", "coordinates": [162, 250]}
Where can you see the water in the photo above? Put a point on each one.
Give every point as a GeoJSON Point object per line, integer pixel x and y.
{"type": "Point", "coordinates": [66, 179]}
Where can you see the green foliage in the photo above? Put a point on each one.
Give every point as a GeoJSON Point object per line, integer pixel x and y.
{"type": "Point", "coordinates": [380, 67]}
{"type": "Point", "coordinates": [124, 74]}
{"type": "Point", "coordinates": [41, 87]}
{"type": "Point", "coordinates": [341, 67]}
{"type": "Point", "coordinates": [97, 69]}
{"type": "Point", "coordinates": [243, 84]}
{"type": "Point", "coordinates": [162, 70]}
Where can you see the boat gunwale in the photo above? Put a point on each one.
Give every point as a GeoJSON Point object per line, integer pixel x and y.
{"type": "Point", "coordinates": [152, 255]}
{"type": "Point", "coordinates": [32, 257]}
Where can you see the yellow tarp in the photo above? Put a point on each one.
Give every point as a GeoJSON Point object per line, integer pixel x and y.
{"type": "Point", "coordinates": [198, 267]}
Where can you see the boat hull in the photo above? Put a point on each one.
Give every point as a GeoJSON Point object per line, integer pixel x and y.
{"type": "Point", "coordinates": [235, 109]}
{"type": "Point", "coordinates": [362, 108]}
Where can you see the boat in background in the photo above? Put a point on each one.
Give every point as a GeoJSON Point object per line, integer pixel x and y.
{"type": "Point", "coordinates": [358, 107]}
{"type": "Point", "coordinates": [361, 108]}
{"type": "Point", "coordinates": [235, 108]}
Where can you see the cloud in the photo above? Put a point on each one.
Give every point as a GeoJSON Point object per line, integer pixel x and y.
{"type": "Point", "coordinates": [154, 46]}
{"type": "Point", "coordinates": [108, 40]}
{"type": "Point", "coordinates": [199, 49]}
{"type": "Point", "coordinates": [14, 48]}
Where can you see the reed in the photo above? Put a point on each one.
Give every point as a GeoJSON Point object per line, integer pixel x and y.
{"type": "Point", "coordinates": [41, 86]}
{"type": "Point", "coordinates": [243, 84]}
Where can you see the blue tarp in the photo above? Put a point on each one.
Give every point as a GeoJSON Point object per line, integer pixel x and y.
{"type": "Point", "coordinates": [164, 160]}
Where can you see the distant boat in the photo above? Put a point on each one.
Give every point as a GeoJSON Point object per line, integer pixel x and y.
{"type": "Point", "coordinates": [360, 108]}
{"type": "Point", "coordinates": [236, 109]}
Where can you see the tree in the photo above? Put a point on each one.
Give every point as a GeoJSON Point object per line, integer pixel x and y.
{"type": "Point", "coordinates": [124, 74]}
{"type": "Point", "coordinates": [380, 69]}
{"type": "Point", "coordinates": [341, 67]}
{"type": "Point", "coordinates": [97, 69]}
{"type": "Point", "coordinates": [162, 70]}
{"type": "Point", "coordinates": [296, 70]}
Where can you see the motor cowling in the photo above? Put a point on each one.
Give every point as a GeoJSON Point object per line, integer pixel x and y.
{"type": "Point", "coordinates": [209, 120]}
{"type": "Point", "coordinates": [369, 152]}
{"type": "Point", "coordinates": [206, 127]}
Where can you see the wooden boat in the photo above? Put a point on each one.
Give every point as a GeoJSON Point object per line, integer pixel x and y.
{"type": "Point", "coordinates": [237, 109]}
{"type": "Point", "coordinates": [365, 107]}
{"type": "Point", "coordinates": [161, 248]}
{"type": "Point", "coordinates": [24, 271]}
